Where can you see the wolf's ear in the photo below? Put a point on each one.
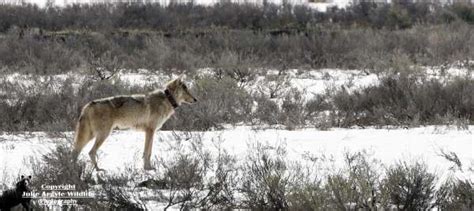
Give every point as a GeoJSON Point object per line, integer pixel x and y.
{"type": "Point", "coordinates": [180, 77]}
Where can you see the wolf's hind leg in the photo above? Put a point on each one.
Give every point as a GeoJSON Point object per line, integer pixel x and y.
{"type": "Point", "coordinates": [83, 135]}
{"type": "Point", "coordinates": [100, 138]}
{"type": "Point", "coordinates": [79, 144]}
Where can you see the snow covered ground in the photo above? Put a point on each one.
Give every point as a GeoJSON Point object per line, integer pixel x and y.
{"type": "Point", "coordinates": [124, 148]}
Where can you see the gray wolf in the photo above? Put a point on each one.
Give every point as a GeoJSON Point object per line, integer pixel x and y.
{"type": "Point", "coordinates": [146, 112]}
{"type": "Point", "coordinates": [13, 197]}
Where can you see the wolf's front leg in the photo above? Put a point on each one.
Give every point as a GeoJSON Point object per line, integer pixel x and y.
{"type": "Point", "coordinates": [148, 146]}
{"type": "Point", "coordinates": [100, 138]}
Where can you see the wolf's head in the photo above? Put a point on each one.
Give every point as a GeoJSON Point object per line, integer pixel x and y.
{"type": "Point", "coordinates": [180, 91]}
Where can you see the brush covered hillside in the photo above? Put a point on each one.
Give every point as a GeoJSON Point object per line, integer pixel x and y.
{"type": "Point", "coordinates": [365, 107]}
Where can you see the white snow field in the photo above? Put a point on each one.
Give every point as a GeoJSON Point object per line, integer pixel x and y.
{"type": "Point", "coordinates": [124, 148]}
{"type": "Point", "coordinates": [122, 151]}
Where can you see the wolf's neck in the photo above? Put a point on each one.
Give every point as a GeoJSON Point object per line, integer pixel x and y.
{"type": "Point", "coordinates": [171, 98]}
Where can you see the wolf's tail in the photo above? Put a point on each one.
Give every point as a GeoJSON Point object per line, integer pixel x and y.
{"type": "Point", "coordinates": [83, 132]}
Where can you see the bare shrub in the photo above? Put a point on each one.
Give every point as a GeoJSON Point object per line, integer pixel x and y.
{"type": "Point", "coordinates": [274, 85]}
{"type": "Point", "coordinates": [404, 100]}
{"type": "Point", "coordinates": [357, 185]}
{"type": "Point", "coordinates": [222, 185]}
{"type": "Point", "coordinates": [192, 178]}
{"type": "Point", "coordinates": [235, 66]}
{"type": "Point", "coordinates": [185, 178]}
{"type": "Point", "coordinates": [106, 65]}
{"type": "Point", "coordinates": [267, 110]}
{"type": "Point", "coordinates": [410, 186]}
{"type": "Point", "coordinates": [154, 55]}
{"type": "Point", "coordinates": [307, 190]}
{"type": "Point", "coordinates": [309, 195]}
{"type": "Point", "coordinates": [235, 15]}
{"type": "Point", "coordinates": [267, 178]}
{"type": "Point", "coordinates": [235, 37]}
{"type": "Point", "coordinates": [59, 167]}
{"type": "Point", "coordinates": [451, 157]}
{"type": "Point", "coordinates": [319, 111]}
{"type": "Point", "coordinates": [292, 109]}
{"type": "Point", "coordinates": [120, 198]}
{"type": "Point", "coordinates": [456, 194]}
{"type": "Point", "coordinates": [184, 173]}
{"type": "Point", "coordinates": [28, 55]}
{"type": "Point", "coordinates": [214, 106]}
{"type": "Point", "coordinates": [317, 104]}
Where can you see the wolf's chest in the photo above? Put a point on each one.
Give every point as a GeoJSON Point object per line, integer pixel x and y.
{"type": "Point", "coordinates": [162, 119]}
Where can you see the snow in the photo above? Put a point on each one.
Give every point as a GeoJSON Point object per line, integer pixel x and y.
{"type": "Point", "coordinates": [124, 148]}
{"type": "Point", "coordinates": [446, 74]}
{"type": "Point", "coordinates": [324, 6]}
{"type": "Point", "coordinates": [122, 151]}
{"type": "Point", "coordinates": [317, 82]}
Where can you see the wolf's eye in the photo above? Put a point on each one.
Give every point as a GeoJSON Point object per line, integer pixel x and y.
{"type": "Point", "coordinates": [185, 87]}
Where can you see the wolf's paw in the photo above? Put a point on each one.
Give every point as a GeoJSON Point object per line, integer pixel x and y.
{"type": "Point", "coordinates": [100, 169]}
{"type": "Point", "coordinates": [149, 168]}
